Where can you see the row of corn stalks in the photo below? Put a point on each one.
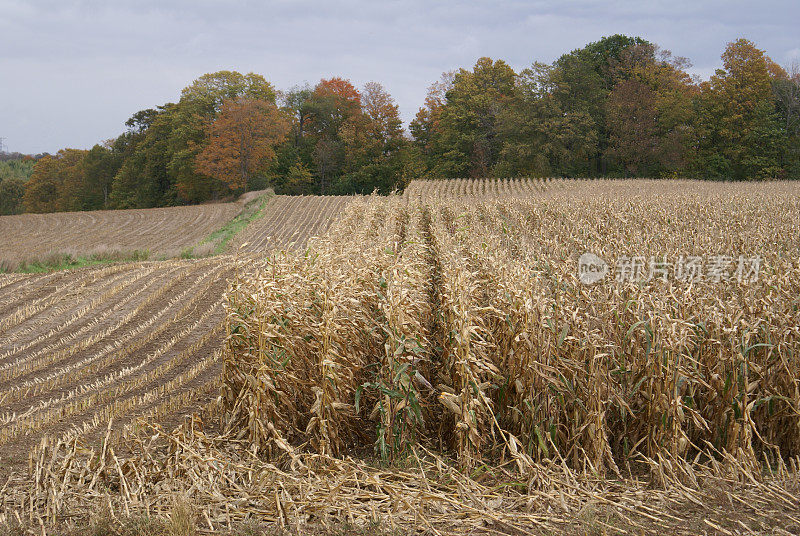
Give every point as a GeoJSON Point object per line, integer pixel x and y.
{"type": "Point", "coordinates": [464, 325]}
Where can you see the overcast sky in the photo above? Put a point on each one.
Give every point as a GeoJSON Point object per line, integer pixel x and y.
{"type": "Point", "coordinates": [71, 72]}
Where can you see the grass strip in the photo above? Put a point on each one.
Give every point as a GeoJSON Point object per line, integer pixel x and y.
{"type": "Point", "coordinates": [66, 261]}
{"type": "Point", "coordinates": [217, 242]}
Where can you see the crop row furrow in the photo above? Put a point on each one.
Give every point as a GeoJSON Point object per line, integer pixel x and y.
{"type": "Point", "coordinates": [123, 346]}
{"type": "Point", "coordinates": [112, 387]}
{"type": "Point", "coordinates": [71, 287]}
{"type": "Point", "coordinates": [183, 384]}
{"type": "Point", "coordinates": [110, 378]}
{"type": "Point", "coordinates": [74, 306]}
{"type": "Point", "coordinates": [40, 359]}
{"type": "Point", "coordinates": [91, 321]}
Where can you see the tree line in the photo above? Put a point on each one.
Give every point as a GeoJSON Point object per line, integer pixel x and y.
{"type": "Point", "coordinates": [618, 107]}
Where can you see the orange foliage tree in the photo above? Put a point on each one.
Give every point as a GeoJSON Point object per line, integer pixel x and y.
{"type": "Point", "coordinates": [383, 114]}
{"type": "Point", "coordinates": [339, 87]}
{"type": "Point", "coordinates": [242, 141]}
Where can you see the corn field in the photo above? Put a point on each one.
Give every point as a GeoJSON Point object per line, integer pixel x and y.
{"type": "Point", "coordinates": [435, 362]}
{"type": "Point", "coordinates": [453, 318]}
{"type": "Point", "coordinates": [463, 323]}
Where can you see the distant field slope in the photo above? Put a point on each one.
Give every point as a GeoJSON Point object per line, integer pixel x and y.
{"type": "Point", "coordinates": [289, 221]}
{"type": "Point", "coordinates": [161, 231]}
{"type": "Point", "coordinates": [477, 187]}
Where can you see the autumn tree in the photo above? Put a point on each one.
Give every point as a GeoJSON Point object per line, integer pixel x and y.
{"type": "Point", "coordinates": [632, 127]}
{"type": "Point", "coordinates": [426, 126]}
{"type": "Point", "coordinates": [385, 126]}
{"type": "Point", "coordinates": [14, 173]}
{"type": "Point", "coordinates": [649, 113]}
{"type": "Point", "coordinates": [242, 141]}
{"type": "Point", "coordinates": [164, 143]}
{"type": "Point", "coordinates": [297, 107]}
{"type": "Point", "coordinates": [328, 156]}
{"type": "Point", "coordinates": [19, 167]}
{"type": "Point", "coordinates": [373, 145]}
{"type": "Point", "coordinates": [56, 183]}
{"type": "Point", "coordinates": [42, 189]}
{"type": "Point", "coordinates": [348, 97]}
{"type": "Point", "coordinates": [786, 92]}
{"type": "Point", "coordinates": [738, 131]}
{"type": "Point", "coordinates": [101, 165]}
{"type": "Point", "coordinates": [350, 140]}
{"type": "Point", "coordinates": [581, 83]}
{"type": "Point", "coordinates": [541, 138]}
{"type": "Point", "coordinates": [296, 148]}
{"type": "Point", "coordinates": [208, 93]}
{"type": "Point", "coordinates": [299, 180]}
{"type": "Point", "coordinates": [333, 102]}
{"type": "Point", "coordinates": [468, 142]}
{"type": "Point", "coordinates": [200, 104]}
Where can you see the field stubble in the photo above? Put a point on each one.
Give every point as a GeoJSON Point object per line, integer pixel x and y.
{"type": "Point", "coordinates": [446, 331]}
{"type": "Point", "coordinates": [106, 235]}
{"type": "Point", "coordinates": [80, 349]}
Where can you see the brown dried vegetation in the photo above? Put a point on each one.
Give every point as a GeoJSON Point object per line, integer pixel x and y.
{"type": "Point", "coordinates": [446, 330]}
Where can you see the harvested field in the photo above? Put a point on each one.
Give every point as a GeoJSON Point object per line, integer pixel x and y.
{"type": "Point", "coordinates": [289, 221]}
{"type": "Point", "coordinates": [80, 347]}
{"type": "Point", "coordinates": [121, 341]}
{"type": "Point", "coordinates": [434, 362]}
{"type": "Point", "coordinates": [160, 231]}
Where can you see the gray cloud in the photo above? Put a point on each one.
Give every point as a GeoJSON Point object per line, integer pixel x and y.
{"type": "Point", "coordinates": [71, 72]}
